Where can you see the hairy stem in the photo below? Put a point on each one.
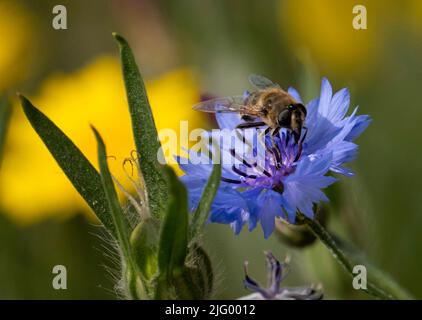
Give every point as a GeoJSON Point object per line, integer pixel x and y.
{"type": "Point", "coordinates": [373, 288]}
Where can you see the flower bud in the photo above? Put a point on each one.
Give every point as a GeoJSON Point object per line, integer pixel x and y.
{"type": "Point", "coordinates": [299, 235]}
{"type": "Point", "coordinates": [194, 282]}
{"type": "Point", "coordinates": [201, 273]}
{"type": "Point", "coordinates": [144, 242]}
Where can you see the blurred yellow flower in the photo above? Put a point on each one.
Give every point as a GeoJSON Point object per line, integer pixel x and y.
{"type": "Point", "coordinates": [324, 29]}
{"type": "Point", "coordinates": [32, 186]}
{"type": "Point", "coordinates": [15, 44]}
{"type": "Point", "coordinates": [413, 10]}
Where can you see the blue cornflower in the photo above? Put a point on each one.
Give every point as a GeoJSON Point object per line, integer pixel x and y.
{"type": "Point", "coordinates": [276, 272]}
{"type": "Point", "coordinates": [285, 178]}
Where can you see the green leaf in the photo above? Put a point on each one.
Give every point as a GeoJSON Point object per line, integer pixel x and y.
{"type": "Point", "coordinates": [75, 165]}
{"type": "Point", "coordinates": [174, 229]}
{"type": "Point", "coordinates": [145, 135]}
{"type": "Point", "coordinates": [114, 207]}
{"type": "Point", "coordinates": [5, 113]}
{"type": "Point", "coordinates": [201, 213]}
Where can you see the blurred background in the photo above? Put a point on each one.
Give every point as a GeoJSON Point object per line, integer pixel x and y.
{"type": "Point", "coordinates": [187, 48]}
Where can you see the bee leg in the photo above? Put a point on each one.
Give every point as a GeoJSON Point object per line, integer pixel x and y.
{"type": "Point", "coordinates": [248, 125]}
{"type": "Point", "coordinates": [300, 144]}
{"type": "Point", "coordinates": [274, 149]}
{"type": "Point", "coordinates": [304, 135]}
{"type": "Point", "coordinates": [274, 132]}
{"type": "Point", "coordinates": [265, 132]}
{"type": "Point", "coordinates": [261, 136]}
{"type": "Point", "coordinates": [247, 118]}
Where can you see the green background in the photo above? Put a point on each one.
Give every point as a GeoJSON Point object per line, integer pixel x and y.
{"type": "Point", "coordinates": [379, 210]}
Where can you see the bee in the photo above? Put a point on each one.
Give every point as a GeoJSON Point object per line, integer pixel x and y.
{"type": "Point", "coordinates": [269, 106]}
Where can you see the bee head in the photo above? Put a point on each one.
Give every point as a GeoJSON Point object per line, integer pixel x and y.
{"type": "Point", "coordinates": [293, 113]}
{"type": "Point", "coordinates": [298, 117]}
{"type": "Point", "coordinates": [298, 108]}
{"type": "Point", "coordinates": [293, 117]}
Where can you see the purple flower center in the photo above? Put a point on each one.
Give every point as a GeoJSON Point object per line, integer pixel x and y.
{"type": "Point", "coordinates": [281, 156]}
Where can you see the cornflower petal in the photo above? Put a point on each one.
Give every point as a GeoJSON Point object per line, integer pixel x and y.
{"type": "Point", "coordinates": [275, 178]}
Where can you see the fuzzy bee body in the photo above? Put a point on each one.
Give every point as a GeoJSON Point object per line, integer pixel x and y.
{"type": "Point", "coordinates": [269, 106]}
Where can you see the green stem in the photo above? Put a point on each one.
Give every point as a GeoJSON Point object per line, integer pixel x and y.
{"type": "Point", "coordinates": [378, 276]}
{"type": "Point", "coordinates": [131, 283]}
{"type": "Point", "coordinates": [372, 288]}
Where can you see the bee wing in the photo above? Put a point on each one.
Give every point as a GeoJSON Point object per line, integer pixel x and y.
{"type": "Point", "coordinates": [226, 104]}
{"type": "Point", "coordinates": [261, 82]}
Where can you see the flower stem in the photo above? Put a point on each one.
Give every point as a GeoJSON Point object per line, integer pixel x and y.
{"type": "Point", "coordinates": [373, 288]}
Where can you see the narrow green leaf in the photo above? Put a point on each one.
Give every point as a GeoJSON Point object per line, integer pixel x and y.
{"type": "Point", "coordinates": [145, 135]}
{"type": "Point", "coordinates": [114, 207]}
{"type": "Point", "coordinates": [75, 165]}
{"type": "Point", "coordinates": [174, 229]}
{"type": "Point", "coordinates": [5, 113]}
{"type": "Point", "coordinates": [201, 213]}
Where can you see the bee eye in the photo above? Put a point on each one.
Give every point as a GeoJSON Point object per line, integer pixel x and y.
{"type": "Point", "coordinates": [284, 118]}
